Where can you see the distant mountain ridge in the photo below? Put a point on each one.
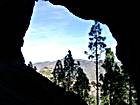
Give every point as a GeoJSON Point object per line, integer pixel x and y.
{"type": "Point", "coordinates": [89, 67]}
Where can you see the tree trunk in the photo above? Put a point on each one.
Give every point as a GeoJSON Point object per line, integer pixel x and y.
{"type": "Point", "coordinates": [97, 82]}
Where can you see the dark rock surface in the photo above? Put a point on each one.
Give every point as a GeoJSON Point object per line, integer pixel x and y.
{"type": "Point", "coordinates": [22, 85]}
{"type": "Point", "coordinates": [120, 16]}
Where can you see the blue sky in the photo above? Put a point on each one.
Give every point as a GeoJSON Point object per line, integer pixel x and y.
{"type": "Point", "coordinates": [54, 30]}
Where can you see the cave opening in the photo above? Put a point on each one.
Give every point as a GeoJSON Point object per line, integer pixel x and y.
{"type": "Point", "coordinates": [54, 30]}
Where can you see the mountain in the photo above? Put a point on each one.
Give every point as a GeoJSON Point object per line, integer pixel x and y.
{"type": "Point", "coordinates": [89, 67]}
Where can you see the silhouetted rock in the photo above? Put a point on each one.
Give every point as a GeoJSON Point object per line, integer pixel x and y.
{"type": "Point", "coordinates": [15, 16]}
{"type": "Point", "coordinates": [121, 17]}
{"type": "Point", "coordinates": [22, 85]}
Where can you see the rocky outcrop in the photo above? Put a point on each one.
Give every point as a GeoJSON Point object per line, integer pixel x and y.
{"type": "Point", "coordinates": [15, 16]}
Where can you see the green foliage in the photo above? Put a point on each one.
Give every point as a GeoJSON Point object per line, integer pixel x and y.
{"type": "Point", "coordinates": [112, 80]}
{"type": "Point", "coordinates": [91, 100]}
{"type": "Point", "coordinates": [130, 88]}
{"type": "Point", "coordinates": [65, 76]}
{"type": "Point", "coordinates": [81, 85]}
{"type": "Point", "coordinates": [105, 100]}
{"type": "Point", "coordinates": [114, 90]}
{"type": "Point", "coordinates": [70, 70]}
{"type": "Point", "coordinates": [96, 47]}
{"type": "Point", "coordinates": [71, 77]}
{"type": "Point", "coordinates": [96, 41]}
{"type": "Point", "coordinates": [58, 73]}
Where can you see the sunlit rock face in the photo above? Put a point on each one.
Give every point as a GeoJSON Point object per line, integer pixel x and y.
{"type": "Point", "coordinates": [122, 19]}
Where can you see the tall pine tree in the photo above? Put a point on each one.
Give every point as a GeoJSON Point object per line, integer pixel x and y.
{"type": "Point", "coordinates": [96, 47]}
{"type": "Point", "coordinates": [70, 71]}
{"type": "Point", "coordinates": [72, 77]}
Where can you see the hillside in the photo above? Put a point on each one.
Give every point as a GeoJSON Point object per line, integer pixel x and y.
{"type": "Point", "coordinates": [88, 67]}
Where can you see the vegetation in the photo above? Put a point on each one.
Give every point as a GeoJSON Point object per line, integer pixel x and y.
{"type": "Point", "coordinates": [132, 98]}
{"type": "Point", "coordinates": [30, 64]}
{"type": "Point", "coordinates": [72, 78]}
{"type": "Point", "coordinates": [115, 83]}
{"type": "Point", "coordinates": [96, 47]}
{"type": "Point", "coordinates": [70, 70]}
{"type": "Point", "coordinates": [81, 85]}
{"type": "Point", "coordinates": [115, 86]}
{"type": "Point", "coordinates": [58, 73]}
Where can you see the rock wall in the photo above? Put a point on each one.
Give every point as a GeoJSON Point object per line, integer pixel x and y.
{"type": "Point", "coordinates": [15, 18]}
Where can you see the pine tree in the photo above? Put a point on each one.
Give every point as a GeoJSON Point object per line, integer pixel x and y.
{"type": "Point", "coordinates": [114, 87]}
{"type": "Point", "coordinates": [71, 77]}
{"type": "Point", "coordinates": [81, 86]}
{"type": "Point", "coordinates": [79, 83]}
{"type": "Point", "coordinates": [70, 71]}
{"type": "Point", "coordinates": [96, 47]}
{"type": "Point", "coordinates": [30, 64]}
{"type": "Point", "coordinates": [58, 74]}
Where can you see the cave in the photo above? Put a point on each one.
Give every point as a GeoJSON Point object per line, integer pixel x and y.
{"type": "Point", "coordinates": [21, 85]}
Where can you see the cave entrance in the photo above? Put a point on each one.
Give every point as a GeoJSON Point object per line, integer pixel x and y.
{"type": "Point", "coordinates": [54, 30]}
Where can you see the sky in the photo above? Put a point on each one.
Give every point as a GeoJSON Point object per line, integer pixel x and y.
{"type": "Point", "coordinates": [54, 30]}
